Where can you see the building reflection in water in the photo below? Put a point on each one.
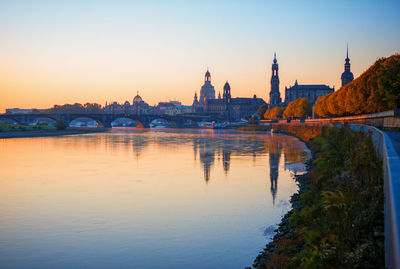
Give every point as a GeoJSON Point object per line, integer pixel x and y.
{"type": "Point", "coordinates": [209, 148]}
{"type": "Point", "coordinates": [226, 158]}
{"type": "Point", "coordinates": [224, 146]}
{"type": "Point", "coordinates": [274, 158]}
{"type": "Point", "coordinates": [207, 157]}
{"type": "Point", "coordinates": [293, 156]}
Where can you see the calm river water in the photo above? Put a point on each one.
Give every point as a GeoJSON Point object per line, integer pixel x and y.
{"type": "Point", "coordinates": [143, 198]}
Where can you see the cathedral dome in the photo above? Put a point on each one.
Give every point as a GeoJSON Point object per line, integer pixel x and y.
{"type": "Point", "coordinates": [137, 99]}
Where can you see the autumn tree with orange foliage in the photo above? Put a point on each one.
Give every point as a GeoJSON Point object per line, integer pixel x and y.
{"type": "Point", "coordinates": [299, 108]}
{"type": "Point", "coordinates": [274, 113]}
{"type": "Point", "coordinates": [376, 90]}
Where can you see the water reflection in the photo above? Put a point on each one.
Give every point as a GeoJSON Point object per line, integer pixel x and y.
{"type": "Point", "coordinates": [208, 147]}
{"type": "Point", "coordinates": [120, 199]}
{"type": "Point", "coordinates": [274, 158]}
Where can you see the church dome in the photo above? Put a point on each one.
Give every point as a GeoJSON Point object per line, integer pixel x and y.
{"type": "Point", "coordinates": [137, 99]}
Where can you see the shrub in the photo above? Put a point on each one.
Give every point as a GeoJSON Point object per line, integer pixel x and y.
{"type": "Point", "coordinates": [338, 218]}
{"type": "Point", "coordinates": [254, 120]}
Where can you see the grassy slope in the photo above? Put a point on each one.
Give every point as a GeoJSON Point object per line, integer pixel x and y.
{"type": "Point", "coordinates": [337, 219]}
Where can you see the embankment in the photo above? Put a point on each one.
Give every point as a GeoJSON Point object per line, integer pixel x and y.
{"type": "Point", "coordinates": [44, 133]}
{"type": "Point", "coordinates": [337, 218]}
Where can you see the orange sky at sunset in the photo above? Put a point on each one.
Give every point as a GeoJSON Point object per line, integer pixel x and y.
{"type": "Point", "coordinates": [53, 53]}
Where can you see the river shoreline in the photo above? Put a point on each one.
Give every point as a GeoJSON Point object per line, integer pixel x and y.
{"type": "Point", "coordinates": [296, 204]}
{"type": "Point", "coordinates": [46, 133]}
{"type": "Point", "coordinates": [284, 228]}
{"type": "Point", "coordinates": [336, 219]}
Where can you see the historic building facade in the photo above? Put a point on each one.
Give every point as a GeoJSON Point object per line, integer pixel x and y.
{"type": "Point", "coordinates": [138, 106]}
{"type": "Point", "coordinates": [274, 94]}
{"type": "Point", "coordinates": [311, 92]}
{"type": "Point", "coordinates": [233, 108]}
{"type": "Point", "coordinates": [207, 90]}
{"type": "Point", "coordinates": [347, 75]}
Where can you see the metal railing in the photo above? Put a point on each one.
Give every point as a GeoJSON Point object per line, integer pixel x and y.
{"type": "Point", "coordinates": [391, 173]}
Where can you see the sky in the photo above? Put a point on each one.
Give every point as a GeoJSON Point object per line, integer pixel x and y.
{"type": "Point", "coordinates": [57, 52]}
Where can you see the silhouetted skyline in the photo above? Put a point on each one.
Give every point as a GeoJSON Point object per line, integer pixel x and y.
{"type": "Point", "coordinates": [67, 52]}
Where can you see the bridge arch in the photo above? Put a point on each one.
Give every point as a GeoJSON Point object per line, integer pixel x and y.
{"type": "Point", "coordinates": [161, 123]}
{"type": "Point", "coordinates": [85, 121]}
{"type": "Point", "coordinates": [126, 121]}
{"type": "Point", "coordinates": [42, 120]}
{"type": "Point", "coordinates": [8, 120]}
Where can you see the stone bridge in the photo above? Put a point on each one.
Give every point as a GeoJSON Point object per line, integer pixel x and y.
{"type": "Point", "coordinates": [105, 119]}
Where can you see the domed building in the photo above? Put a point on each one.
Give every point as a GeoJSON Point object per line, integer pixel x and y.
{"type": "Point", "coordinates": [138, 105]}
{"type": "Point", "coordinates": [126, 107]}
{"type": "Point", "coordinates": [196, 104]}
{"type": "Point", "coordinates": [233, 108]}
{"type": "Point", "coordinates": [137, 99]}
{"type": "Point", "coordinates": [207, 90]}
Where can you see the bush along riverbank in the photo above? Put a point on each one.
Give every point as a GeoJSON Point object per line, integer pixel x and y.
{"type": "Point", "coordinates": [337, 217]}
{"type": "Point", "coordinates": [13, 128]}
{"type": "Point", "coordinates": [20, 131]}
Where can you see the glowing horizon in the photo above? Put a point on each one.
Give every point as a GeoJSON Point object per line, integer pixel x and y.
{"type": "Point", "coordinates": [98, 51]}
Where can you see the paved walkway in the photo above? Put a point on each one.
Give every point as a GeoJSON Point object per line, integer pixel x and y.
{"type": "Point", "coordinates": [395, 137]}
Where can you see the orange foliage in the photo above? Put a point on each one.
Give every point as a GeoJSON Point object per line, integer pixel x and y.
{"type": "Point", "coordinates": [377, 89]}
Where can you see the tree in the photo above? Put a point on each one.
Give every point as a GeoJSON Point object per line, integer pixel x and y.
{"type": "Point", "coordinates": [274, 113]}
{"type": "Point", "coordinates": [299, 108]}
{"type": "Point", "coordinates": [254, 120]}
{"type": "Point", "coordinates": [261, 110]}
{"type": "Point", "coordinates": [375, 90]}
{"type": "Point", "coordinates": [75, 108]}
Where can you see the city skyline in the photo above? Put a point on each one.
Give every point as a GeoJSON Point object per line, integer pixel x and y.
{"type": "Point", "coordinates": [57, 53]}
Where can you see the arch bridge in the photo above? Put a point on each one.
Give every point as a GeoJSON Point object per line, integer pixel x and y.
{"type": "Point", "coordinates": [105, 119]}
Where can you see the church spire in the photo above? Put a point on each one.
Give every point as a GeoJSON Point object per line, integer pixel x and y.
{"type": "Point", "coordinates": [274, 94]}
{"type": "Point", "coordinates": [347, 75]}
{"type": "Point", "coordinates": [207, 76]}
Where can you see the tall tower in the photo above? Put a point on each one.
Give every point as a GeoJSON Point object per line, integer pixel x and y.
{"type": "Point", "coordinates": [195, 101]}
{"type": "Point", "coordinates": [347, 76]}
{"type": "Point", "coordinates": [274, 94]}
{"type": "Point", "coordinates": [207, 90]}
{"type": "Point", "coordinates": [227, 93]}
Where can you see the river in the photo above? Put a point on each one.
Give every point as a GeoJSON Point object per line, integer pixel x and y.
{"type": "Point", "coordinates": [134, 198]}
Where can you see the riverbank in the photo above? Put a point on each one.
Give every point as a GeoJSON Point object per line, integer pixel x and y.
{"type": "Point", "coordinates": [254, 128]}
{"type": "Point", "coordinates": [336, 219]}
{"type": "Point", "coordinates": [50, 132]}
